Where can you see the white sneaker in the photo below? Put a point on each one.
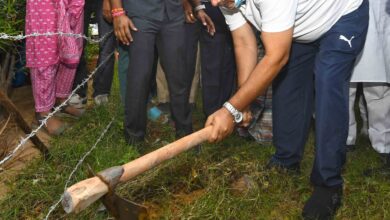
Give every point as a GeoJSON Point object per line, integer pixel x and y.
{"type": "Point", "coordinates": [77, 101]}
{"type": "Point", "coordinates": [101, 99]}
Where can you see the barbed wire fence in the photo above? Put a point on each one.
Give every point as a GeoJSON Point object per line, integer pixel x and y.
{"type": "Point", "coordinates": [4, 36]}
{"type": "Point", "coordinates": [23, 141]}
{"type": "Point", "coordinates": [43, 122]}
{"type": "Point", "coordinates": [55, 205]}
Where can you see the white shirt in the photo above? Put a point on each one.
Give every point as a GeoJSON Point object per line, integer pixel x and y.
{"type": "Point", "coordinates": [310, 18]}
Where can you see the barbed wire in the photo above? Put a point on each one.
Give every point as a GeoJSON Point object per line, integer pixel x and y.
{"type": "Point", "coordinates": [43, 122]}
{"type": "Point", "coordinates": [5, 36]}
{"type": "Point", "coordinates": [55, 205]}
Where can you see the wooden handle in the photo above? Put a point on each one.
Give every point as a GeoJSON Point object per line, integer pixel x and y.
{"type": "Point", "coordinates": [82, 194]}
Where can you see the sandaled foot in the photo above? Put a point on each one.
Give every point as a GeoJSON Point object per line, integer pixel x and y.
{"type": "Point", "coordinates": [323, 203]}
{"type": "Point", "coordinates": [53, 126]}
{"type": "Point", "coordinates": [73, 111]}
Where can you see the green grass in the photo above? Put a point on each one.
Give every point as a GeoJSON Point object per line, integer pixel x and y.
{"type": "Point", "coordinates": [190, 186]}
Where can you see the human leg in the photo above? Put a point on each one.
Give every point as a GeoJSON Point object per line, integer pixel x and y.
{"type": "Point", "coordinates": [162, 85]}
{"type": "Point", "coordinates": [63, 86]}
{"type": "Point", "coordinates": [218, 63]}
{"type": "Point", "coordinates": [43, 85]}
{"type": "Point", "coordinates": [377, 96]}
{"type": "Point", "coordinates": [333, 67]}
{"type": "Point", "coordinates": [351, 139]}
{"type": "Point", "coordinates": [292, 106]}
{"type": "Point", "coordinates": [123, 66]}
{"type": "Point", "coordinates": [172, 49]}
{"type": "Point", "coordinates": [82, 71]}
{"type": "Point", "coordinates": [195, 80]}
{"type": "Point", "coordinates": [139, 76]}
{"type": "Point", "coordinates": [192, 41]}
{"type": "Point", "coordinates": [103, 77]}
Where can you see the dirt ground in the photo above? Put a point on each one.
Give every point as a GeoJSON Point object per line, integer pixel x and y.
{"type": "Point", "coordinates": [9, 138]}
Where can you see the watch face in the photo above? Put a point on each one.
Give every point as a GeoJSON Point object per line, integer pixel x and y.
{"type": "Point", "coordinates": [238, 118]}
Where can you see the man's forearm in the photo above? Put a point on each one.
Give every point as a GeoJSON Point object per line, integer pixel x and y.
{"type": "Point", "coordinates": [187, 4]}
{"type": "Point", "coordinates": [116, 4]}
{"type": "Point", "coordinates": [245, 49]}
{"type": "Point", "coordinates": [195, 3]}
{"type": "Point", "coordinates": [255, 81]}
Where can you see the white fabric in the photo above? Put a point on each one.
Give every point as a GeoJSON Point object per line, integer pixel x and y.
{"type": "Point", "coordinates": [377, 96]}
{"type": "Point", "coordinates": [310, 18]}
{"type": "Point", "coordinates": [373, 64]}
{"type": "Point", "coordinates": [352, 130]}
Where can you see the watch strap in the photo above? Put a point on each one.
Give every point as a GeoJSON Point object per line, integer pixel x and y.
{"type": "Point", "coordinates": [232, 110]}
{"type": "Point", "coordinates": [199, 7]}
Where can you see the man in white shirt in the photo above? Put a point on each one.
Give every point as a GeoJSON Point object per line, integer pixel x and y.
{"type": "Point", "coordinates": [309, 44]}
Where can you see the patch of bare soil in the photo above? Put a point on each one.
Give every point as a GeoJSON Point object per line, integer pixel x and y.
{"type": "Point", "coordinates": [11, 135]}
{"type": "Point", "coordinates": [179, 199]}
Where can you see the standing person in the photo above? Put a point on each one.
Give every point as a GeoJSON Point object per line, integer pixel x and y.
{"type": "Point", "coordinates": [79, 99]}
{"type": "Point", "coordinates": [146, 24]}
{"type": "Point", "coordinates": [194, 28]}
{"type": "Point", "coordinates": [216, 54]}
{"type": "Point", "coordinates": [102, 80]}
{"type": "Point", "coordinates": [372, 69]}
{"type": "Point", "coordinates": [302, 39]}
{"type": "Point", "coordinates": [53, 59]}
{"type": "Point", "coordinates": [218, 68]}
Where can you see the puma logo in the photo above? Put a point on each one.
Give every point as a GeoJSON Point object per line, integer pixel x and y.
{"type": "Point", "coordinates": [342, 37]}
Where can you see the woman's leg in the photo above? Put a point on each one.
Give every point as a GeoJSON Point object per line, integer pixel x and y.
{"type": "Point", "coordinates": [63, 85]}
{"type": "Point", "coordinates": [43, 84]}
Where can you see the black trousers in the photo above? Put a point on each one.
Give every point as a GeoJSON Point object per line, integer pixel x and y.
{"type": "Point", "coordinates": [103, 77]}
{"type": "Point", "coordinates": [102, 80]}
{"type": "Point", "coordinates": [169, 37]}
{"type": "Point", "coordinates": [218, 69]}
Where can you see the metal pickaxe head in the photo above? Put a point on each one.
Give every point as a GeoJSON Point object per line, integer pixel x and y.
{"type": "Point", "coordinates": [123, 209]}
{"type": "Point", "coordinates": [117, 206]}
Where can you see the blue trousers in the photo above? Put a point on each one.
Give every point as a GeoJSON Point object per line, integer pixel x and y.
{"type": "Point", "coordinates": [317, 76]}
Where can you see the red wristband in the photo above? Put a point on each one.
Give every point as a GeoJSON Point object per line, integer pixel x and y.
{"type": "Point", "coordinates": [117, 10]}
{"type": "Point", "coordinates": [117, 14]}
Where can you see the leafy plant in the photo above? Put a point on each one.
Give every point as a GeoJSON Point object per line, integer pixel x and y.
{"type": "Point", "coordinates": [12, 15]}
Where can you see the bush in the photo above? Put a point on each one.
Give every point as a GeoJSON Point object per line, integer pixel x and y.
{"type": "Point", "coordinates": [12, 15]}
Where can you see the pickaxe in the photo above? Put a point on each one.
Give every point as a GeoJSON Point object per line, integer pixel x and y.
{"type": "Point", "coordinates": [82, 194]}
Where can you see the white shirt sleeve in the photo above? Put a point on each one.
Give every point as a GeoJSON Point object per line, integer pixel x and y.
{"type": "Point", "coordinates": [277, 15]}
{"type": "Point", "coordinates": [234, 18]}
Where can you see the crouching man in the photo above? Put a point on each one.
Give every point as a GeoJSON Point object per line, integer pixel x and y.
{"type": "Point", "coordinates": [310, 45]}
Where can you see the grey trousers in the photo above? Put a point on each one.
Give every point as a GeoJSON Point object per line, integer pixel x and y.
{"type": "Point", "coordinates": [377, 96]}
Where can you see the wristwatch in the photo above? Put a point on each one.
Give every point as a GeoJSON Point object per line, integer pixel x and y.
{"type": "Point", "coordinates": [237, 115]}
{"type": "Point", "coordinates": [199, 7]}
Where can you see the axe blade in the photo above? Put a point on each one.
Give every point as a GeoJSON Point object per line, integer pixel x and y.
{"type": "Point", "coordinates": [123, 209]}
